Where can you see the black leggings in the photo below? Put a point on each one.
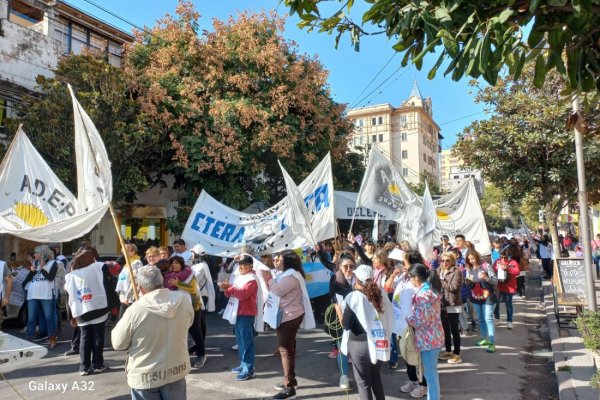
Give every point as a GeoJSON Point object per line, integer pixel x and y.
{"type": "Point", "coordinates": [411, 371]}
{"type": "Point", "coordinates": [196, 333]}
{"type": "Point", "coordinates": [451, 331]}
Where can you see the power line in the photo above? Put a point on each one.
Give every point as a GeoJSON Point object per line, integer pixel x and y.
{"type": "Point", "coordinates": [373, 79]}
{"type": "Point", "coordinates": [381, 84]}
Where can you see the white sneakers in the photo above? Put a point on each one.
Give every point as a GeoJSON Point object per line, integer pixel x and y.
{"type": "Point", "coordinates": [509, 325]}
{"type": "Point", "coordinates": [344, 382]}
{"type": "Point", "coordinates": [419, 391]}
{"type": "Point", "coordinates": [409, 386]}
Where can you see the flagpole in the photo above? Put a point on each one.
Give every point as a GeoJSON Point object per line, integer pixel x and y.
{"type": "Point", "coordinates": [113, 215]}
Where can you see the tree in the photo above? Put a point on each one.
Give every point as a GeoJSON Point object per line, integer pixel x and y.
{"type": "Point", "coordinates": [434, 187]}
{"type": "Point", "coordinates": [525, 147]}
{"type": "Point", "coordinates": [478, 38]}
{"type": "Point", "coordinates": [232, 102]}
{"type": "Point", "coordinates": [496, 209]}
{"type": "Point", "coordinates": [135, 153]}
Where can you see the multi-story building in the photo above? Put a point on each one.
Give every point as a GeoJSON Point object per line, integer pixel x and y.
{"type": "Point", "coordinates": [454, 172]}
{"type": "Point", "coordinates": [407, 134]}
{"type": "Point", "coordinates": [34, 35]}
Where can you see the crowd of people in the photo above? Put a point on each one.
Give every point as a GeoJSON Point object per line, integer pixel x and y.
{"type": "Point", "coordinates": [386, 301]}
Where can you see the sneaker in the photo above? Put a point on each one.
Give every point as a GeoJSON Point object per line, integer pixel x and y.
{"type": "Point", "coordinates": [41, 338]}
{"type": "Point", "coordinates": [279, 387]}
{"type": "Point", "coordinates": [200, 361]}
{"type": "Point", "coordinates": [491, 348]}
{"type": "Point", "coordinates": [71, 352]}
{"type": "Point", "coordinates": [235, 347]}
{"type": "Point", "coordinates": [334, 353]}
{"type": "Point", "coordinates": [237, 370]}
{"type": "Point", "coordinates": [482, 342]}
{"type": "Point", "coordinates": [85, 372]}
{"type": "Point", "coordinates": [455, 359]}
{"type": "Point", "coordinates": [392, 365]}
{"type": "Point", "coordinates": [344, 382]}
{"type": "Point", "coordinates": [445, 355]}
{"type": "Point", "coordinates": [191, 350]}
{"type": "Point", "coordinates": [244, 376]}
{"type": "Point", "coordinates": [221, 311]}
{"type": "Point", "coordinates": [286, 393]}
{"type": "Point", "coordinates": [419, 391]}
{"type": "Point", "coordinates": [100, 369]}
{"type": "Point", "coordinates": [409, 386]}
{"type": "Point", "coordinates": [509, 325]}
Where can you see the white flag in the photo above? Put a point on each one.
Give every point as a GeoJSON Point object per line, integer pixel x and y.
{"type": "Point", "coordinates": [298, 216]}
{"type": "Point", "coordinates": [35, 204]}
{"type": "Point", "coordinates": [375, 233]}
{"type": "Point", "coordinates": [428, 225]}
{"type": "Point", "coordinates": [94, 178]}
{"type": "Point", "coordinates": [384, 191]}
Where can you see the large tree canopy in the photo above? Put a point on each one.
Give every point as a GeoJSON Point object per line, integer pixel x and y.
{"type": "Point", "coordinates": [479, 38]}
{"type": "Point", "coordinates": [233, 101]}
{"type": "Point", "coordinates": [103, 92]}
{"type": "Point", "coordinates": [525, 147]}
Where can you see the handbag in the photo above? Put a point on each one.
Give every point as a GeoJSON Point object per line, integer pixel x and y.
{"type": "Point", "coordinates": [272, 312]}
{"type": "Point", "coordinates": [408, 349]}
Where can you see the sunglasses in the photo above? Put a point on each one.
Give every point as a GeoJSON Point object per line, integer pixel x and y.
{"type": "Point", "coordinates": [349, 266]}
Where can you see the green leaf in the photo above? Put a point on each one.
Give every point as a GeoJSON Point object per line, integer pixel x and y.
{"type": "Point", "coordinates": [429, 48]}
{"type": "Point", "coordinates": [557, 3]}
{"type": "Point", "coordinates": [505, 15]}
{"type": "Point", "coordinates": [519, 66]}
{"type": "Point", "coordinates": [540, 71]}
{"type": "Point", "coordinates": [534, 5]}
{"type": "Point", "coordinates": [442, 14]}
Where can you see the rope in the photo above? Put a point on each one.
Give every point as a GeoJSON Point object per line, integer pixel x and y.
{"type": "Point", "coordinates": [332, 322]}
{"type": "Point", "coordinates": [11, 386]}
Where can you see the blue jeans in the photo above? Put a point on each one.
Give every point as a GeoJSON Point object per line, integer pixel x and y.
{"type": "Point", "coordinates": [342, 360]}
{"type": "Point", "coordinates": [486, 323]}
{"type": "Point", "coordinates": [37, 309]}
{"type": "Point", "coordinates": [393, 349]}
{"type": "Point", "coordinates": [244, 336]}
{"type": "Point", "coordinates": [170, 391]}
{"type": "Point", "coordinates": [507, 297]}
{"type": "Point", "coordinates": [596, 261]}
{"type": "Point", "coordinates": [430, 371]}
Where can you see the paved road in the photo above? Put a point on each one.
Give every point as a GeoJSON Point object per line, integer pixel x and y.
{"type": "Point", "coordinates": [520, 369]}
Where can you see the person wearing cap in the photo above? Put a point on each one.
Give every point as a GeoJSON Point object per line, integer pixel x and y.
{"type": "Point", "coordinates": [367, 322]}
{"type": "Point", "coordinates": [242, 311]}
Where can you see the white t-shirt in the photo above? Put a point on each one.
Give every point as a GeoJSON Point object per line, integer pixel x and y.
{"type": "Point", "coordinates": [186, 255]}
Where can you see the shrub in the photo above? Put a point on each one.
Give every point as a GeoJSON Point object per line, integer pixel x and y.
{"type": "Point", "coordinates": [588, 324]}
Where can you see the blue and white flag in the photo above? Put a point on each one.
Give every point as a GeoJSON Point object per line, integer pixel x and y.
{"type": "Point", "coordinates": [317, 279]}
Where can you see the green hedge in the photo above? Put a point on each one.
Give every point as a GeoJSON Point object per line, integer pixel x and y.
{"type": "Point", "coordinates": [588, 324]}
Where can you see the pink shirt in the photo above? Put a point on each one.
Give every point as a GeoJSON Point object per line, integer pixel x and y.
{"type": "Point", "coordinates": [289, 290]}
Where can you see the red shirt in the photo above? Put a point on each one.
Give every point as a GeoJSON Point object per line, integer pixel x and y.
{"type": "Point", "coordinates": [247, 297]}
{"type": "Point", "coordinates": [513, 270]}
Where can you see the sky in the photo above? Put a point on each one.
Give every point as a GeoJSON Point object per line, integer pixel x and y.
{"type": "Point", "coordinates": [350, 72]}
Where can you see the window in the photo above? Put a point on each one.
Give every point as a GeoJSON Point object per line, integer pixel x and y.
{"type": "Point", "coordinates": [404, 171]}
{"type": "Point", "coordinates": [373, 138]}
{"type": "Point", "coordinates": [404, 136]}
{"type": "Point", "coordinates": [403, 121]}
{"type": "Point", "coordinates": [380, 120]}
{"type": "Point", "coordinates": [373, 121]}
{"type": "Point", "coordinates": [404, 154]}
{"type": "Point", "coordinates": [356, 141]}
{"type": "Point", "coordinates": [424, 157]}
{"type": "Point", "coordinates": [381, 137]}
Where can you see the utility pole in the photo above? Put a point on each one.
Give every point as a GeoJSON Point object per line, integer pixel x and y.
{"type": "Point", "coordinates": [584, 226]}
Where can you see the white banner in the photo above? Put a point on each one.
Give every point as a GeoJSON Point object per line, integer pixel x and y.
{"type": "Point", "coordinates": [345, 207]}
{"type": "Point", "coordinates": [36, 205]}
{"type": "Point", "coordinates": [298, 217]}
{"type": "Point", "coordinates": [222, 230]}
{"type": "Point", "coordinates": [428, 231]}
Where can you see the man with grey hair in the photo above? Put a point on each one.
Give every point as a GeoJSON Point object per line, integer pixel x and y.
{"type": "Point", "coordinates": [154, 329]}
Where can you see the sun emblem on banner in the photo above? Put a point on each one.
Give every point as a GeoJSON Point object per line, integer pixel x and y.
{"type": "Point", "coordinates": [30, 214]}
{"type": "Point", "coordinates": [442, 215]}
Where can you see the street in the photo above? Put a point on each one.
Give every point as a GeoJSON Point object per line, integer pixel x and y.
{"type": "Point", "coordinates": [520, 369]}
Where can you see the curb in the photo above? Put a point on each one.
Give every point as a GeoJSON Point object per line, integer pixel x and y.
{"type": "Point", "coordinates": [574, 365]}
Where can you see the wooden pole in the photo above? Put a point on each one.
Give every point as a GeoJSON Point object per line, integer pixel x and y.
{"type": "Point", "coordinates": [124, 251]}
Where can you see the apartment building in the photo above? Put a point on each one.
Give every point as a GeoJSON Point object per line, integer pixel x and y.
{"type": "Point", "coordinates": [407, 134]}
{"type": "Point", "coordinates": [453, 172]}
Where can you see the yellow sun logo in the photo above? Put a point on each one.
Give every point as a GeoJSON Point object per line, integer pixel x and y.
{"type": "Point", "coordinates": [442, 216]}
{"type": "Point", "coordinates": [394, 189]}
{"type": "Point", "coordinates": [32, 215]}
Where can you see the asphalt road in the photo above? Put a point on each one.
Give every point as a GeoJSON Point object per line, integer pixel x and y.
{"type": "Point", "coordinates": [520, 368]}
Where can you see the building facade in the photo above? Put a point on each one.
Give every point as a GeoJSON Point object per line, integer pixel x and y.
{"type": "Point", "coordinates": [454, 172]}
{"type": "Point", "coordinates": [407, 135]}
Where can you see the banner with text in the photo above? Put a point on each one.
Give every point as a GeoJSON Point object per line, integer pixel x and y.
{"type": "Point", "coordinates": [223, 231]}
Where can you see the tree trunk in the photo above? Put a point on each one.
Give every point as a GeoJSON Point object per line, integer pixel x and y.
{"type": "Point", "coordinates": [551, 218]}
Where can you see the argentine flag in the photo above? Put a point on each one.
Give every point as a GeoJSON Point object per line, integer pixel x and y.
{"type": "Point", "coordinates": [317, 279]}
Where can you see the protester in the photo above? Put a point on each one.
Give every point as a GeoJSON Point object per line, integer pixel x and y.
{"type": "Point", "coordinates": [154, 330]}
{"type": "Point", "coordinates": [41, 294]}
{"type": "Point", "coordinates": [294, 305]}
{"type": "Point", "coordinates": [596, 254]}
{"type": "Point", "coordinates": [367, 322]}
{"type": "Point", "coordinates": [6, 281]}
{"type": "Point", "coordinates": [182, 251]}
{"type": "Point", "coordinates": [124, 287]}
{"type": "Point", "coordinates": [546, 254]}
{"type": "Point", "coordinates": [180, 277]}
{"type": "Point", "coordinates": [404, 292]}
{"type": "Point", "coordinates": [507, 286]}
{"type": "Point", "coordinates": [242, 311]}
{"type": "Point", "coordinates": [340, 286]}
{"type": "Point", "coordinates": [452, 282]}
{"type": "Point", "coordinates": [425, 319]}
{"type": "Point", "coordinates": [482, 281]}
{"type": "Point", "coordinates": [91, 295]}
{"type": "Point", "coordinates": [164, 252]}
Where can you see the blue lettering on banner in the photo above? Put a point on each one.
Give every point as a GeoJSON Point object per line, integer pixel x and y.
{"type": "Point", "coordinates": [377, 333]}
{"type": "Point", "coordinates": [320, 196]}
{"type": "Point", "coordinates": [221, 230]}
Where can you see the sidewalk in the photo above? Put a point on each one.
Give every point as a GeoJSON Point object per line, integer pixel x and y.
{"type": "Point", "coordinates": [574, 365]}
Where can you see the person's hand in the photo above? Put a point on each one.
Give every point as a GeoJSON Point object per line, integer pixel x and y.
{"type": "Point", "coordinates": [396, 272]}
{"type": "Point", "coordinates": [237, 258]}
{"type": "Point", "coordinates": [173, 281]}
{"type": "Point", "coordinates": [483, 275]}
{"type": "Point", "coordinates": [33, 268]}
{"type": "Point", "coordinates": [350, 237]}
{"type": "Point", "coordinates": [73, 322]}
{"type": "Point", "coordinates": [5, 301]}
{"type": "Point", "coordinates": [224, 285]}
{"type": "Point", "coordinates": [266, 275]}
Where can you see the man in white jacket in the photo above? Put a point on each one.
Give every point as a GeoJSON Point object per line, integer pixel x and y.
{"type": "Point", "coordinates": [154, 330]}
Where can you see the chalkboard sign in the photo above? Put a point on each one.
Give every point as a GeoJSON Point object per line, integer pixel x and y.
{"type": "Point", "coordinates": [572, 275]}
